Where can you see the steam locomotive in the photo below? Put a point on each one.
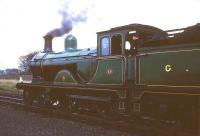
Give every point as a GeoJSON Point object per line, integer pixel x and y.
{"type": "Point", "coordinates": [136, 70]}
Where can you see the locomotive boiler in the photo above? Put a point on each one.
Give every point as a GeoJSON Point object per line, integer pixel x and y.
{"type": "Point", "coordinates": [136, 70]}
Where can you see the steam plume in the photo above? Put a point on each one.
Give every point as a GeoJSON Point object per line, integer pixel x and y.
{"type": "Point", "coordinates": [67, 22]}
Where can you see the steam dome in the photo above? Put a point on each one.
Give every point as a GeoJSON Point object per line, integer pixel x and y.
{"type": "Point", "coordinates": [70, 42]}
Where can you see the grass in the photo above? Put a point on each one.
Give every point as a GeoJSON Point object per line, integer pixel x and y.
{"type": "Point", "coordinates": [8, 86]}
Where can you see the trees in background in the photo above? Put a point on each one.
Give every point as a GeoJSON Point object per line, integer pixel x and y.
{"type": "Point", "coordinates": [23, 65]}
{"type": "Point", "coordinates": [24, 62]}
{"type": "Point", "coordinates": [9, 71]}
{"type": "Point", "coordinates": [12, 71]}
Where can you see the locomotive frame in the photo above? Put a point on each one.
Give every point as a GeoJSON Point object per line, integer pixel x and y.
{"type": "Point", "coordinates": [117, 80]}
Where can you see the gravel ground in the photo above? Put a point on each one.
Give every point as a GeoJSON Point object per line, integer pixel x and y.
{"type": "Point", "coordinates": [15, 122]}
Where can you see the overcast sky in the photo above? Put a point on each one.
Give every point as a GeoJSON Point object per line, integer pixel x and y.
{"type": "Point", "coordinates": [23, 23]}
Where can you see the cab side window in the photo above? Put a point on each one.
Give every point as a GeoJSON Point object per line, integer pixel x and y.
{"type": "Point", "coordinates": [116, 45]}
{"type": "Point", "coordinates": [105, 46]}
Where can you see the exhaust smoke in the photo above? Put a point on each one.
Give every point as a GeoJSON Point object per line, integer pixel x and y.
{"type": "Point", "coordinates": [68, 20]}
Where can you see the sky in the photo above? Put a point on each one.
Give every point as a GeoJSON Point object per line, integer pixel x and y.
{"type": "Point", "coordinates": [23, 23]}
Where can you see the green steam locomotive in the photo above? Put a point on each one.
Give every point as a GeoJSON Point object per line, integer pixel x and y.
{"type": "Point", "coordinates": [136, 70]}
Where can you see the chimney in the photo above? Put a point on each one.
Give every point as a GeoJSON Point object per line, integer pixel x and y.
{"type": "Point", "coordinates": [48, 43]}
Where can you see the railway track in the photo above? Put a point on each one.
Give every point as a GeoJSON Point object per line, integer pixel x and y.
{"type": "Point", "coordinates": [141, 126]}
{"type": "Point", "coordinates": [11, 99]}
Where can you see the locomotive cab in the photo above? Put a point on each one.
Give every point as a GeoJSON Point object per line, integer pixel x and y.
{"type": "Point", "coordinates": [116, 40]}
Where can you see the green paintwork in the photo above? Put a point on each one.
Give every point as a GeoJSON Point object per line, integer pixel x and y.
{"type": "Point", "coordinates": [131, 68]}
{"type": "Point", "coordinates": [182, 70]}
{"type": "Point", "coordinates": [109, 71]}
{"type": "Point", "coordinates": [170, 47]}
{"type": "Point", "coordinates": [86, 69]}
{"type": "Point", "coordinates": [64, 76]}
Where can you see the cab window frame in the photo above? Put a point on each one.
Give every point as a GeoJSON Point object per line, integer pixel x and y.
{"type": "Point", "coordinates": [116, 49]}
{"type": "Point", "coordinates": [104, 43]}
